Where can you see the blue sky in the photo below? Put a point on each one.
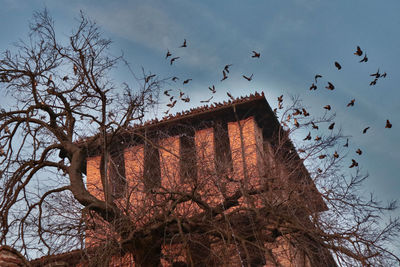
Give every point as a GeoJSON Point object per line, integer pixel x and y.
{"type": "Point", "coordinates": [296, 39]}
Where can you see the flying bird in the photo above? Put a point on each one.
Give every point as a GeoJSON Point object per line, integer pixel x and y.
{"type": "Point", "coordinates": [353, 163]}
{"type": "Point", "coordinates": [168, 54]}
{"type": "Point", "coordinates": [330, 86]}
{"type": "Point", "coordinates": [373, 82]}
{"type": "Point", "coordinates": [149, 77]}
{"type": "Point", "coordinates": [347, 143]}
{"type": "Point", "coordinates": [248, 78]}
{"type": "Point", "coordinates": [388, 124]}
{"type": "Point", "coordinates": [308, 137]}
{"type": "Point", "coordinates": [301, 150]}
{"type": "Point", "coordinates": [65, 78]}
{"type": "Point", "coordinates": [335, 155]}
{"type": "Point", "coordinates": [212, 89]}
{"type": "Point", "coordinates": [316, 77]}
{"type": "Point", "coordinates": [184, 43]}
{"type": "Point", "coordinates": [186, 81]}
{"type": "Point", "coordinates": [384, 75]}
{"type": "Point", "coordinates": [255, 54]}
{"type": "Point", "coordinates": [314, 126]}
{"type": "Point", "coordinates": [365, 59]}
{"type": "Point", "coordinates": [322, 156]}
{"type": "Point", "coordinates": [351, 103]}
{"type": "Point", "coordinates": [358, 151]}
{"type": "Point", "coordinates": [280, 98]}
{"type": "Point", "coordinates": [171, 105]}
{"type": "Point", "coordinates": [313, 87]}
{"type": "Point", "coordinates": [166, 92]}
{"type": "Point", "coordinates": [317, 138]}
{"type": "Point", "coordinates": [296, 123]}
{"type": "Point", "coordinates": [174, 78]}
{"type": "Point", "coordinates": [225, 77]}
{"type": "Point", "coordinates": [226, 68]}
{"type": "Point", "coordinates": [297, 112]}
{"type": "Point", "coordinates": [185, 99]}
{"type": "Point", "coordinates": [206, 101]}
{"type": "Point", "coordinates": [305, 113]}
{"type": "Point", "coordinates": [358, 52]}
{"type": "Point", "coordinates": [376, 74]}
{"type": "Point", "coordinates": [331, 126]}
{"type": "Point", "coordinates": [230, 96]}
{"type": "Point", "coordinates": [337, 65]}
{"type": "Point", "coordinates": [365, 130]}
{"type": "Point", "coordinates": [328, 107]}
{"type": "Point", "coordinates": [173, 59]}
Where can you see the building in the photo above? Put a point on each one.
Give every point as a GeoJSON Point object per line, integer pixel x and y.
{"type": "Point", "coordinates": [223, 179]}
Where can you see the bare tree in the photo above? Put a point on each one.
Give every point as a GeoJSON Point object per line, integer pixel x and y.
{"type": "Point", "coordinates": [167, 193]}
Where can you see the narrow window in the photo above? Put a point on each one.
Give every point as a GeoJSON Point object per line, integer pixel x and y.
{"type": "Point", "coordinates": [187, 163]}
{"type": "Point", "coordinates": [117, 176]}
{"type": "Point", "coordinates": [152, 171]}
{"type": "Point", "coordinates": [223, 155]}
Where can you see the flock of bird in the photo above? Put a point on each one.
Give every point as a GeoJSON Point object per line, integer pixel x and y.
{"type": "Point", "coordinates": [182, 96]}
{"type": "Point", "coordinates": [331, 87]}
{"type": "Point", "coordinates": [314, 86]}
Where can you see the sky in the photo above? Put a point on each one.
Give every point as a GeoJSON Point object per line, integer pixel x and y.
{"type": "Point", "coordinates": [296, 38]}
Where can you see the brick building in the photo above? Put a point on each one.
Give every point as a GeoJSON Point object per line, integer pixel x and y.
{"type": "Point", "coordinates": [225, 175]}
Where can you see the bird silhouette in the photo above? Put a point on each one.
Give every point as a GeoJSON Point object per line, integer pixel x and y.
{"type": "Point", "coordinates": [388, 124]}
{"type": "Point", "coordinates": [330, 86]}
{"type": "Point", "coordinates": [347, 143]}
{"type": "Point", "coordinates": [288, 117]}
{"type": "Point", "coordinates": [358, 52]}
{"type": "Point", "coordinates": [185, 99]}
{"type": "Point", "coordinates": [358, 151]}
{"type": "Point", "coordinates": [280, 106]}
{"type": "Point", "coordinates": [319, 170]}
{"type": "Point", "coordinates": [212, 89]}
{"type": "Point", "coordinates": [308, 137]}
{"type": "Point", "coordinates": [383, 75]}
{"type": "Point", "coordinates": [181, 94]}
{"type": "Point", "coordinates": [335, 155]}
{"type": "Point", "coordinates": [226, 68]}
{"type": "Point", "coordinates": [255, 54]}
{"type": "Point", "coordinates": [206, 101]}
{"type": "Point", "coordinates": [280, 98]}
{"type": "Point", "coordinates": [316, 77]}
{"type": "Point", "coordinates": [301, 150]}
{"type": "Point", "coordinates": [351, 103]}
{"type": "Point", "coordinates": [174, 79]}
{"type": "Point", "coordinates": [353, 163]}
{"type": "Point", "coordinates": [186, 81]}
{"type": "Point", "coordinates": [376, 74]}
{"type": "Point", "coordinates": [297, 112]}
{"type": "Point", "coordinates": [7, 130]}
{"type": "Point", "coordinates": [75, 69]}
{"type": "Point", "coordinates": [322, 156]}
{"type": "Point", "coordinates": [166, 112]}
{"type": "Point", "coordinates": [328, 107]}
{"type": "Point", "coordinates": [331, 126]}
{"type": "Point", "coordinates": [170, 99]}
{"type": "Point", "coordinates": [65, 78]}
{"type": "Point", "coordinates": [365, 59]}
{"type": "Point", "coordinates": [166, 92]}
{"type": "Point", "coordinates": [248, 78]}
{"type": "Point", "coordinates": [365, 130]}
{"type": "Point", "coordinates": [168, 54]}
{"type": "Point", "coordinates": [171, 105]}
{"type": "Point", "coordinates": [314, 126]}
{"type": "Point", "coordinates": [147, 79]}
{"type": "Point", "coordinates": [224, 74]}
{"type": "Point", "coordinates": [317, 138]}
{"type": "Point", "coordinates": [337, 65]}
{"type": "Point", "coordinates": [313, 87]}
{"type": "Point", "coordinates": [173, 59]}
{"type": "Point", "coordinates": [305, 113]}
{"type": "Point", "coordinates": [184, 43]}
{"type": "Point", "coordinates": [373, 82]}
{"type": "Point", "coordinates": [230, 96]}
{"type": "Point", "coordinates": [296, 123]}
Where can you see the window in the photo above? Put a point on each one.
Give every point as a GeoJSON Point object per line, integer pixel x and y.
{"type": "Point", "coordinates": [187, 163]}
{"type": "Point", "coordinates": [116, 174]}
{"type": "Point", "coordinates": [152, 171]}
{"type": "Point", "coordinates": [223, 155]}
